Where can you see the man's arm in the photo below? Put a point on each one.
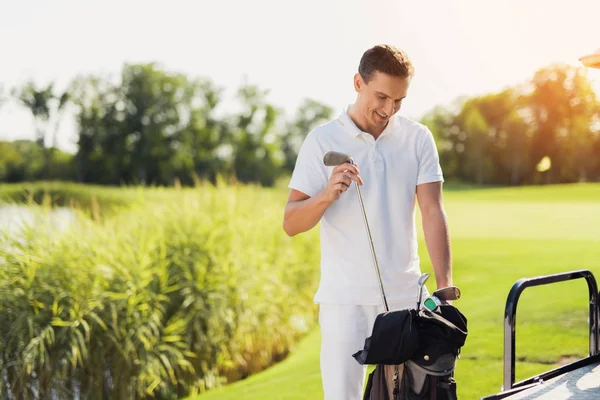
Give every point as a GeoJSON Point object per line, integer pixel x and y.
{"type": "Point", "coordinates": [303, 212]}
{"type": "Point", "coordinates": [435, 229]}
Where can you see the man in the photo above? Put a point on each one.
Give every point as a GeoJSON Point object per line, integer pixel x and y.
{"type": "Point", "coordinates": [396, 162]}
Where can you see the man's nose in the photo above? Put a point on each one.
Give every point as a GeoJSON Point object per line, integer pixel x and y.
{"type": "Point", "coordinates": [390, 108]}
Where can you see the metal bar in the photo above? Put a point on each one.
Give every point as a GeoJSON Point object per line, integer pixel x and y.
{"type": "Point", "coordinates": [511, 311]}
{"type": "Point", "coordinates": [362, 206]}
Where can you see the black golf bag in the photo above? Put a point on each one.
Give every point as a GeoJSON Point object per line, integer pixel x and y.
{"type": "Point", "coordinates": [426, 343]}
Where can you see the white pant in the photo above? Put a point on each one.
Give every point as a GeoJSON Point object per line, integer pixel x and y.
{"type": "Point", "coordinates": [344, 329]}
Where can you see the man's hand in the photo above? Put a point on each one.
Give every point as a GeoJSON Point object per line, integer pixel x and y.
{"type": "Point", "coordinates": [303, 212]}
{"type": "Point", "coordinates": [340, 180]}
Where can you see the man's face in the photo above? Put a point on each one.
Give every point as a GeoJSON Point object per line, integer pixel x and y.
{"type": "Point", "coordinates": [380, 98]}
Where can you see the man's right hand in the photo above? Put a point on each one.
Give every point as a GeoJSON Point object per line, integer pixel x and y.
{"type": "Point", "coordinates": [303, 212]}
{"type": "Point", "coordinates": [340, 180]}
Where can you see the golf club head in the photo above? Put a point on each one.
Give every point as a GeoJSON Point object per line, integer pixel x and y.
{"type": "Point", "coordinates": [335, 158]}
{"type": "Point", "coordinates": [422, 279]}
{"type": "Point", "coordinates": [420, 283]}
{"type": "Point", "coordinates": [448, 293]}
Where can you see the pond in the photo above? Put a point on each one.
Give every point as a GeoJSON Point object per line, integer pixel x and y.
{"type": "Point", "coordinates": [14, 217]}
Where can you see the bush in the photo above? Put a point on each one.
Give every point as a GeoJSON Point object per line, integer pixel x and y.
{"type": "Point", "coordinates": [165, 299]}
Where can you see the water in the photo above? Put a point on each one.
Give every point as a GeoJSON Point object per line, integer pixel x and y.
{"type": "Point", "coordinates": [13, 218]}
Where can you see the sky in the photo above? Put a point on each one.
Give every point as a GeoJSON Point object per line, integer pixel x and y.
{"type": "Point", "coordinates": [296, 50]}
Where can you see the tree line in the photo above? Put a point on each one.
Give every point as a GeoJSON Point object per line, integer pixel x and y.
{"type": "Point", "coordinates": [154, 126]}
{"type": "Point", "coordinates": [546, 130]}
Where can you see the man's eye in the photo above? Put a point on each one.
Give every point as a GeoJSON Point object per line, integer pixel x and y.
{"type": "Point", "coordinates": [380, 96]}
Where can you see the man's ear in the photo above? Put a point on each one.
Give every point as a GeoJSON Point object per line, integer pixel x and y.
{"type": "Point", "coordinates": [358, 83]}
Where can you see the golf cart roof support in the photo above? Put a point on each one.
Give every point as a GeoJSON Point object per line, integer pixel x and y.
{"type": "Point", "coordinates": [511, 311]}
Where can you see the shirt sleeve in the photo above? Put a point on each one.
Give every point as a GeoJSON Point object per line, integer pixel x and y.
{"type": "Point", "coordinates": [310, 174]}
{"type": "Point", "coordinates": [429, 161]}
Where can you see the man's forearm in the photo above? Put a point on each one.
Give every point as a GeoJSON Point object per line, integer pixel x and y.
{"type": "Point", "coordinates": [303, 215]}
{"type": "Point", "coordinates": [435, 229]}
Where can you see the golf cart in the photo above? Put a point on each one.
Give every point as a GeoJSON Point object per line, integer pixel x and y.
{"type": "Point", "coordinates": [577, 380]}
{"type": "Point", "coordinates": [580, 379]}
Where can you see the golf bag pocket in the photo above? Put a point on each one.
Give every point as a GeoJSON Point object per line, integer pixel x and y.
{"type": "Point", "coordinates": [384, 383]}
{"type": "Point", "coordinates": [441, 336]}
{"type": "Point", "coordinates": [393, 339]}
{"type": "Point", "coordinates": [419, 385]}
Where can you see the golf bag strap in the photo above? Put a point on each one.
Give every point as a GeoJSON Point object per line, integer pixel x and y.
{"type": "Point", "coordinates": [444, 385]}
{"type": "Point", "coordinates": [433, 388]}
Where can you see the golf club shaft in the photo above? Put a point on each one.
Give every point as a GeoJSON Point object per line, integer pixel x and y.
{"type": "Point", "coordinates": [362, 207]}
{"type": "Point", "coordinates": [334, 158]}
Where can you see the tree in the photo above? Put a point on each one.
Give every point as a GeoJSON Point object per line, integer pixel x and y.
{"type": "Point", "coordinates": [443, 125]}
{"type": "Point", "coordinates": [203, 145]}
{"type": "Point", "coordinates": [255, 148]}
{"type": "Point", "coordinates": [477, 141]}
{"type": "Point", "coordinates": [562, 103]}
{"type": "Point", "coordinates": [22, 160]}
{"type": "Point", "coordinates": [45, 106]}
{"type": "Point", "coordinates": [309, 115]}
{"type": "Point", "coordinates": [157, 107]}
{"type": "Point", "coordinates": [143, 129]}
{"type": "Point", "coordinates": [102, 154]}
{"type": "Point", "coordinates": [508, 136]}
{"type": "Point", "coordinates": [12, 163]}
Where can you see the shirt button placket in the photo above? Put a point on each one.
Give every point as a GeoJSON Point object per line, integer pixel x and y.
{"type": "Point", "coordinates": [378, 159]}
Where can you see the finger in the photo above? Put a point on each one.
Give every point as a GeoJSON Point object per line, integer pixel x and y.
{"type": "Point", "coordinates": [345, 179]}
{"type": "Point", "coordinates": [354, 177]}
{"type": "Point", "coordinates": [341, 187]}
{"type": "Point", "coordinates": [346, 167]}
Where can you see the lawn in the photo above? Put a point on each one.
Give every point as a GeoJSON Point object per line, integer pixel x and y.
{"type": "Point", "coordinates": [498, 236]}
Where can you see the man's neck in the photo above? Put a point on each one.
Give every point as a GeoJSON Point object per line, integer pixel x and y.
{"type": "Point", "coordinates": [361, 122]}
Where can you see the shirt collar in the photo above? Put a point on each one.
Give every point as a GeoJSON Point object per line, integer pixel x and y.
{"type": "Point", "coordinates": [354, 130]}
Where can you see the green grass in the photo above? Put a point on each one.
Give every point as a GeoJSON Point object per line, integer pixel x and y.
{"type": "Point", "coordinates": [297, 377]}
{"type": "Point", "coordinates": [499, 235]}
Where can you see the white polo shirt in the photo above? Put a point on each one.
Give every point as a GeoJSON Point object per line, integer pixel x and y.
{"type": "Point", "coordinates": [404, 156]}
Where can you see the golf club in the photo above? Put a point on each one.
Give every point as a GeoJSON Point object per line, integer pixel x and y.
{"type": "Point", "coordinates": [431, 303]}
{"type": "Point", "coordinates": [420, 283]}
{"type": "Point", "coordinates": [333, 159]}
{"type": "Point", "coordinates": [447, 293]}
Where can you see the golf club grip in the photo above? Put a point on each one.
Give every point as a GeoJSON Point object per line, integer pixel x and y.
{"type": "Point", "coordinates": [448, 293]}
{"type": "Point", "coordinates": [335, 158]}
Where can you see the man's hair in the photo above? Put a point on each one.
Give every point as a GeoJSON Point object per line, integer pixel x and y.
{"type": "Point", "coordinates": [386, 59]}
